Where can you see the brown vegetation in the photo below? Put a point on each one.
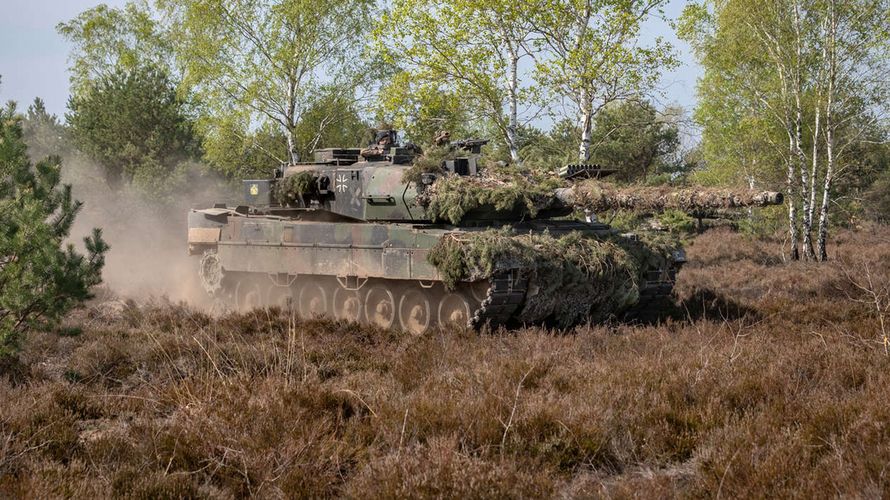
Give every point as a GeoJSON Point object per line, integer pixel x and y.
{"type": "Point", "coordinates": [769, 379]}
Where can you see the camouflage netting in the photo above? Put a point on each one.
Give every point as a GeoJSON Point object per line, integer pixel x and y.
{"type": "Point", "coordinates": [451, 197]}
{"type": "Point", "coordinates": [290, 190]}
{"type": "Point", "coordinates": [571, 278]}
{"type": "Point", "coordinates": [650, 250]}
{"type": "Point", "coordinates": [430, 161]}
{"type": "Point", "coordinates": [600, 196]}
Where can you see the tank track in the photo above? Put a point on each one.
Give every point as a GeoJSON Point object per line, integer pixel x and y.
{"type": "Point", "coordinates": [503, 299]}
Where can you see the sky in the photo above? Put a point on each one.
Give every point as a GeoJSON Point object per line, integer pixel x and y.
{"type": "Point", "coordinates": [34, 58]}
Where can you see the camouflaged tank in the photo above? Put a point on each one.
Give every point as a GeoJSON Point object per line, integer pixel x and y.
{"type": "Point", "coordinates": [385, 236]}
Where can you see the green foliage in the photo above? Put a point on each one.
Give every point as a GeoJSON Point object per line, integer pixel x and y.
{"type": "Point", "coordinates": [748, 49]}
{"type": "Point", "coordinates": [737, 94]}
{"type": "Point", "coordinates": [331, 120]}
{"type": "Point", "coordinates": [458, 60]}
{"type": "Point", "coordinates": [106, 40]}
{"type": "Point", "coordinates": [431, 161]}
{"type": "Point", "coordinates": [422, 108]}
{"type": "Point", "coordinates": [634, 138]}
{"type": "Point", "coordinates": [546, 153]}
{"type": "Point", "coordinates": [594, 54]}
{"type": "Point", "coordinates": [651, 250]}
{"type": "Point", "coordinates": [43, 133]}
{"type": "Point", "coordinates": [625, 220]}
{"type": "Point", "coordinates": [290, 190]}
{"type": "Point", "coordinates": [452, 197]}
{"type": "Point", "coordinates": [136, 127]}
{"type": "Point", "coordinates": [231, 148]}
{"type": "Point", "coordinates": [876, 202]}
{"type": "Point", "coordinates": [676, 221]}
{"type": "Point", "coordinates": [40, 277]}
{"type": "Point", "coordinates": [265, 62]}
{"type": "Point", "coordinates": [575, 276]}
{"type": "Point", "coordinates": [764, 222]}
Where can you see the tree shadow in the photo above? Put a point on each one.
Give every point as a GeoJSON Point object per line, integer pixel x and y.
{"type": "Point", "coordinates": [704, 303]}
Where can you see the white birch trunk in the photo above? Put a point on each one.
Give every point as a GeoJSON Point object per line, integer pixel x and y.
{"type": "Point", "coordinates": [513, 125]}
{"type": "Point", "coordinates": [585, 124]}
{"type": "Point", "coordinates": [814, 169]}
{"type": "Point", "coordinates": [826, 197]}
{"type": "Point", "coordinates": [807, 222]}
{"type": "Point", "coordinates": [792, 205]}
{"type": "Point", "coordinates": [292, 153]}
{"type": "Point", "coordinates": [829, 135]}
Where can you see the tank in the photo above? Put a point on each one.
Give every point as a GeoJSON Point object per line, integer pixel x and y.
{"type": "Point", "coordinates": [398, 238]}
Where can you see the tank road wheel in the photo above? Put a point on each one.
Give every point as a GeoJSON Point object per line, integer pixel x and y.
{"type": "Point", "coordinates": [312, 300]}
{"type": "Point", "coordinates": [248, 294]}
{"type": "Point", "coordinates": [479, 290]}
{"type": "Point", "coordinates": [454, 309]}
{"type": "Point", "coordinates": [380, 307]}
{"type": "Point", "coordinates": [414, 312]}
{"type": "Point", "coordinates": [347, 304]}
{"type": "Point", "coordinates": [281, 296]}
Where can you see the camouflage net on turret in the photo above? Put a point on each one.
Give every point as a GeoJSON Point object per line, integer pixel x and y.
{"type": "Point", "coordinates": [290, 190]}
{"type": "Point", "coordinates": [571, 278]}
{"type": "Point", "coordinates": [601, 196]}
{"type": "Point", "coordinates": [430, 162]}
{"type": "Point", "coordinates": [451, 197]}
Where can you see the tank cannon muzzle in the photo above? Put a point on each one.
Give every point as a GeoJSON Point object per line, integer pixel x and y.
{"type": "Point", "coordinates": [769, 198]}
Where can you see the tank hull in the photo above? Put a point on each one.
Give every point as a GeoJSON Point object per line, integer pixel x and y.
{"type": "Point", "coordinates": [362, 271]}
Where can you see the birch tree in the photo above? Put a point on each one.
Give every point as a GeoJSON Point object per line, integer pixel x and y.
{"type": "Point", "coordinates": [259, 61]}
{"type": "Point", "coordinates": [470, 48]}
{"type": "Point", "coordinates": [781, 60]}
{"type": "Point", "coordinates": [590, 55]}
{"type": "Point", "coordinates": [106, 40]}
{"type": "Point", "coordinates": [855, 36]}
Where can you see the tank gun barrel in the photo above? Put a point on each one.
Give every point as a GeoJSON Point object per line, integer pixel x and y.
{"type": "Point", "coordinates": [597, 196]}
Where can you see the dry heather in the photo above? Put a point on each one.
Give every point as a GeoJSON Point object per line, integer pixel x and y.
{"type": "Point", "coordinates": [768, 379]}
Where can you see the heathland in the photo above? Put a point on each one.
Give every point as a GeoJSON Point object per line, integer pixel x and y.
{"type": "Point", "coordinates": [765, 378]}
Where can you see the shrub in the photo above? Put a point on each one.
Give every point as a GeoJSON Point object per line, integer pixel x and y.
{"type": "Point", "coordinates": [40, 278]}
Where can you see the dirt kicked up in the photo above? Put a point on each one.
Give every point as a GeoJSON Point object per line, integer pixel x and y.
{"type": "Point", "coordinates": [766, 379]}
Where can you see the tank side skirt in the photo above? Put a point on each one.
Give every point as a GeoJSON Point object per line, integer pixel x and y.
{"type": "Point", "coordinates": [362, 250]}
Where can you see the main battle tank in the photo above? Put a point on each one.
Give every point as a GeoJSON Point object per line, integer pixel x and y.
{"type": "Point", "coordinates": [388, 236]}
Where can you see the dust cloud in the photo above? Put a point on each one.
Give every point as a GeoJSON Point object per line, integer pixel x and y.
{"type": "Point", "coordinates": [148, 258]}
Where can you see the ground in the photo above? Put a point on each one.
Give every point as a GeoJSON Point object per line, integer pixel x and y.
{"type": "Point", "coordinates": [766, 379]}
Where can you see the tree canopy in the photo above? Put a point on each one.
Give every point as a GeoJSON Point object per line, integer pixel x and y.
{"type": "Point", "coordinates": [252, 62]}
{"type": "Point", "coordinates": [135, 125]}
{"type": "Point", "coordinates": [633, 138]}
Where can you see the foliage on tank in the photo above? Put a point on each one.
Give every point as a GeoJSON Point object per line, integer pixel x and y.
{"type": "Point", "coordinates": [430, 162]}
{"type": "Point", "coordinates": [451, 197]}
{"type": "Point", "coordinates": [601, 196]}
{"type": "Point", "coordinates": [572, 278]}
{"type": "Point", "coordinates": [290, 190]}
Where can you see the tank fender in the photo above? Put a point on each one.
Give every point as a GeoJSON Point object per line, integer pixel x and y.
{"type": "Point", "coordinates": [205, 228]}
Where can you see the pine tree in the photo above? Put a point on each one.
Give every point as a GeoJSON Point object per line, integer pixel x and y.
{"type": "Point", "coordinates": [41, 277]}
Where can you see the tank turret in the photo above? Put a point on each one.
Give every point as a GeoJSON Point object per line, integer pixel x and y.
{"type": "Point", "coordinates": [390, 187]}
